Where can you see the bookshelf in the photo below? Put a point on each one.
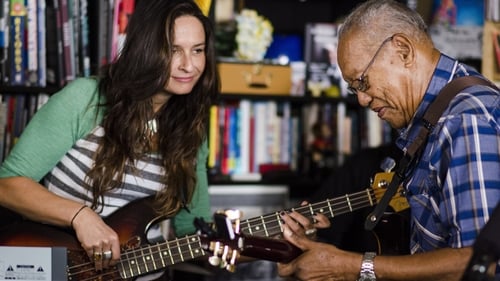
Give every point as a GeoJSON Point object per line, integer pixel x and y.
{"type": "Point", "coordinates": [93, 46]}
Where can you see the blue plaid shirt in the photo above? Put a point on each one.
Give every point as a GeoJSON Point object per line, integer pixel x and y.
{"type": "Point", "coordinates": [455, 186]}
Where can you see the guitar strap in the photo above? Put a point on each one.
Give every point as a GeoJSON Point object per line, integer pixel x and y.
{"type": "Point", "coordinates": [430, 119]}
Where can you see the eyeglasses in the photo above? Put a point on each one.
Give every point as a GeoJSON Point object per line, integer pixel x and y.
{"type": "Point", "coordinates": [361, 83]}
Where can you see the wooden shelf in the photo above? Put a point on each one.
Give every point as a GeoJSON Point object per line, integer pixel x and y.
{"type": "Point", "coordinates": [6, 89]}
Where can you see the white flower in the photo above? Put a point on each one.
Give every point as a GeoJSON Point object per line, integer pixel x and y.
{"type": "Point", "coordinates": [254, 35]}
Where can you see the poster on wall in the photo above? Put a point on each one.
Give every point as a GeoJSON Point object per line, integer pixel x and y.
{"type": "Point", "coordinates": [457, 27]}
{"type": "Point", "coordinates": [323, 75]}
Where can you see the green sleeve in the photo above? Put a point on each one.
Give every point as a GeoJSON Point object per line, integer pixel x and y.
{"type": "Point", "coordinates": [67, 116]}
{"type": "Point", "coordinates": [200, 204]}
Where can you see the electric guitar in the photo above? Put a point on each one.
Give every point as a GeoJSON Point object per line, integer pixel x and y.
{"type": "Point", "coordinates": [132, 222]}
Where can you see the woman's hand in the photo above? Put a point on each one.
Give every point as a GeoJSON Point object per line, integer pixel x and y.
{"type": "Point", "coordinates": [100, 241]}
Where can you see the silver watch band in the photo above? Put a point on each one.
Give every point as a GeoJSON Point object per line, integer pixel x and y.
{"type": "Point", "coordinates": [367, 272]}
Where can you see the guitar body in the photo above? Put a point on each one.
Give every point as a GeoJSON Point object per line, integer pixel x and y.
{"type": "Point", "coordinates": [392, 233]}
{"type": "Point", "coordinates": [131, 223]}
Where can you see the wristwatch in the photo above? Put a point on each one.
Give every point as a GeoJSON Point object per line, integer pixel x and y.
{"type": "Point", "coordinates": [367, 272]}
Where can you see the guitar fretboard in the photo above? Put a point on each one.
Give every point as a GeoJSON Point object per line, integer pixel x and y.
{"type": "Point", "coordinates": [270, 224]}
{"type": "Point", "coordinates": [154, 257]}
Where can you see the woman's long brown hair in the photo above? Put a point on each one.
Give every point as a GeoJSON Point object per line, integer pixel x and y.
{"type": "Point", "coordinates": [141, 70]}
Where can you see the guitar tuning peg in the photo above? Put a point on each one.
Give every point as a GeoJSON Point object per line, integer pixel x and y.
{"type": "Point", "coordinates": [388, 164]}
{"type": "Point", "coordinates": [214, 260]}
{"type": "Point", "coordinates": [235, 216]}
{"type": "Point", "coordinates": [223, 262]}
{"type": "Point", "coordinates": [231, 267]}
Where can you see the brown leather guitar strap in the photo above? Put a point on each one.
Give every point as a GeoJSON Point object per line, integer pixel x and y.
{"type": "Point", "coordinates": [430, 119]}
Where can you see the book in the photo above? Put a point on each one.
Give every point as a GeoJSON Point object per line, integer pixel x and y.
{"type": "Point", "coordinates": [68, 43]}
{"type": "Point", "coordinates": [54, 43]}
{"type": "Point", "coordinates": [32, 42]}
{"type": "Point", "coordinates": [244, 119]}
{"type": "Point", "coordinates": [213, 135]}
{"type": "Point", "coordinates": [126, 10]}
{"type": "Point", "coordinates": [4, 40]}
{"type": "Point", "coordinates": [17, 45]}
{"type": "Point", "coordinates": [42, 44]}
{"type": "Point", "coordinates": [83, 39]}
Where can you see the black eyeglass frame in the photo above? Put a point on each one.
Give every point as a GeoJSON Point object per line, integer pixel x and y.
{"type": "Point", "coordinates": [361, 83]}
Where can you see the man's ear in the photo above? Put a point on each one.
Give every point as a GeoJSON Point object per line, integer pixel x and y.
{"type": "Point", "coordinates": [405, 49]}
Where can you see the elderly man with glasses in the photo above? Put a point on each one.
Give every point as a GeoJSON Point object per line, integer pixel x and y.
{"type": "Point", "coordinates": [390, 63]}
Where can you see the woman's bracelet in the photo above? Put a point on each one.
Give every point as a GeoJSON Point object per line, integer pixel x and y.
{"type": "Point", "coordinates": [76, 214]}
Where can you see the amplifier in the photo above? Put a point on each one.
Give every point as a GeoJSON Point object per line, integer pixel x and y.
{"type": "Point", "coordinates": [33, 263]}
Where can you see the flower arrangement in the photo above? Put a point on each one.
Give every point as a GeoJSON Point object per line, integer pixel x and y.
{"type": "Point", "coordinates": [254, 35]}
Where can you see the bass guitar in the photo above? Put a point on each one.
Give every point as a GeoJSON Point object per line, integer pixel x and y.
{"type": "Point", "coordinates": [269, 225]}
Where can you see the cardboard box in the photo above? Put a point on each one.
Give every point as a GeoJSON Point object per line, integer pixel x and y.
{"type": "Point", "coordinates": [254, 78]}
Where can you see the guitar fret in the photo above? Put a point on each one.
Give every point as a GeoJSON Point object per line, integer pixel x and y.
{"type": "Point", "coordinates": [179, 250]}
{"type": "Point", "coordinates": [348, 202]}
{"type": "Point", "coordinates": [330, 207]}
{"type": "Point", "coordinates": [280, 223]}
{"type": "Point", "coordinates": [369, 197]}
{"type": "Point", "coordinates": [128, 270]}
{"type": "Point", "coordinates": [311, 210]}
{"type": "Point", "coordinates": [199, 249]}
{"type": "Point", "coordinates": [264, 226]}
{"type": "Point", "coordinates": [249, 227]}
{"type": "Point", "coordinates": [135, 263]}
{"type": "Point", "coordinates": [170, 254]}
{"type": "Point", "coordinates": [153, 259]}
{"type": "Point", "coordinates": [160, 253]}
{"type": "Point", "coordinates": [190, 249]}
{"type": "Point", "coordinates": [144, 262]}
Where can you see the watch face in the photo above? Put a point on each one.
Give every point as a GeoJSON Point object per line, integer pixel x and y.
{"type": "Point", "coordinates": [366, 278]}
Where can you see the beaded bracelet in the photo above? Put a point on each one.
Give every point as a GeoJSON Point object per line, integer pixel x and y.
{"type": "Point", "coordinates": [76, 214]}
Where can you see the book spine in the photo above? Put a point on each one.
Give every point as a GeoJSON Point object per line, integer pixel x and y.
{"type": "Point", "coordinates": [42, 44]}
{"type": "Point", "coordinates": [18, 46]}
{"type": "Point", "coordinates": [67, 36]}
{"type": "Point", "coordinates": [4, 41]}
{"type": "Point", "coordinates": [32, 42]}
{"type": "Point", "coordinates": [74, 14]}
{"type": "Point", "coordinates": [84, 39]}
{"type": "Point", "coordinates": [55, 59]}
{"type": "Point", "coordinates": [128, 7]}
{"type": "Point", "coordinates": [213, 134]}
{"type": "Point", "coordinates": [244, 125]}
{"type": "Point", "coordinates": [117, 6]}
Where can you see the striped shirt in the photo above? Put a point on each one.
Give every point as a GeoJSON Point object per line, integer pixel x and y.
{"type": "Point", "coordinates": [455, 186]}
{"type": "Point", "coordinates": [68, 177]}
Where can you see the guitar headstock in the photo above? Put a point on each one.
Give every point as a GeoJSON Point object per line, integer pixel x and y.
{"type": "Point", "coordinates": [222, 238]}
{"type": "Point", "coordinates": [227, 244]}
{"type": "Point", "coordinates": [380, 184]}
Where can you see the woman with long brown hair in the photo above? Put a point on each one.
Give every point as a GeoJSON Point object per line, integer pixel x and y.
{"type": "Point", "coordinates": [137, 130]}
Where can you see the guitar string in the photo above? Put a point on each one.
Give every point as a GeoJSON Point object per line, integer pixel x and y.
{"type": "Point", "coordinates": [356, 201]}
{"type": "Point", "coordinates": [305, 210]}
{"type": "Point", "coordinates": [175, 255]}
{"type": "Point", "coordinates": [276, 228]}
